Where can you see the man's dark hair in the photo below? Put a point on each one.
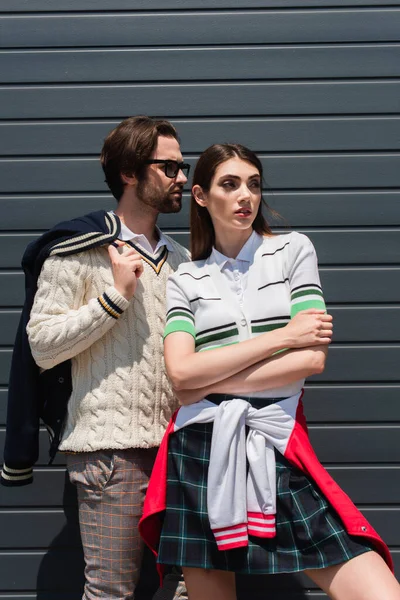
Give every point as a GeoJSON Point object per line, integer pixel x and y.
{"type": "Point", "coordinates": [127, 148]}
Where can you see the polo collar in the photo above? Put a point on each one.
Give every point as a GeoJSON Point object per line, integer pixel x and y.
{"type": "Point", "coordinates": [246, 254]}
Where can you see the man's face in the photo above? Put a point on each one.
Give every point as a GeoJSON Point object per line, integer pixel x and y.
{"type": "Point", "coordinates": [156, 189]}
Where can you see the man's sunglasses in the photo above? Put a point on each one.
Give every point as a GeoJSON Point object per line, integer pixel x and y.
{"type": "Point", "coordinates": [171, 167]}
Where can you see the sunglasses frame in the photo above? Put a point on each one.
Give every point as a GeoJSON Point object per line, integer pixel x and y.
{"type": "Point", "coordinates": [166, 162]}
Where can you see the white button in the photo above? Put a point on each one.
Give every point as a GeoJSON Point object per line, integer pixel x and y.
{"type": "Point", "coordinates": [243, 322]}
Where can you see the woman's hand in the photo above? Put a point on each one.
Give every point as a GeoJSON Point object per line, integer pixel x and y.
{"type": "Point", "coordinates": [310, 327]}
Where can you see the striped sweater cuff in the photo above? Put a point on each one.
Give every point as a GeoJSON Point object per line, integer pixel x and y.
{"type": "Point", "coordinates": [10, 477]}
{"type": "Point", "coordinates": [230, 537]}
{"type": "Point", "coordinates": [113, 303]}
{"type": "Point", "coordinates": [261, 525]}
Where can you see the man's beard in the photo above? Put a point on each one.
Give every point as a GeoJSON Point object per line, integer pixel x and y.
{"type": "Point", "coordinates": [156, 197]}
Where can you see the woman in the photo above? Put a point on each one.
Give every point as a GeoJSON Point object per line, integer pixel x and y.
{"type": "Point", "coordinates": [237, 486]}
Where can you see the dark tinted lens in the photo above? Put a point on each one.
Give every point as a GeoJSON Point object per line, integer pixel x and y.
{"type": "Point", "coordinates": [185, 168]}
{"type": "Point", "coordinates": [171, 168]}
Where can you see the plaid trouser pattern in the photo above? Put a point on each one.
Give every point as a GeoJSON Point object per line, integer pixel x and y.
{"type": "Point", "coordinates": [111, 488]}
{"type": "Point", "coordinates": [310, 535]}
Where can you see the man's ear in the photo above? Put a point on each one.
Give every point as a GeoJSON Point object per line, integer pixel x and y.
{"type": "Point", "coordinates": [128, 179]}
{"type": "Point", "coordinates": [199, 195]}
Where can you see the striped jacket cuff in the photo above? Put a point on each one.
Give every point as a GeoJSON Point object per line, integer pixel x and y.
{"type": "Point", "coordinates": [113, 303]}
{"type": "Point", "coordinates": [13, 477]}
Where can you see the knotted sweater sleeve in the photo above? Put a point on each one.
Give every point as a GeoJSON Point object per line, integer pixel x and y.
{"type": "Point", "coordinates": [62, 324]}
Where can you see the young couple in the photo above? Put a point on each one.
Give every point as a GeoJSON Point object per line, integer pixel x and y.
{"type": "Point", "coordinates": [236, 486]}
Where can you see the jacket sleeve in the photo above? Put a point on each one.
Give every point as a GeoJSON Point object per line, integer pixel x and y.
{"type": "Point", "coordinates": [22, 441]}
{"type": "Point", "coordinates": [61, 324]}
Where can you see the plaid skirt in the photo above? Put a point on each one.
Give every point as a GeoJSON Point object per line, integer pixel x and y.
{"type": "Point", "coordinates": [309, 533]}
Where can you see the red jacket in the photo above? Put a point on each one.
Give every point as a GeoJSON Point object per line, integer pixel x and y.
{"type": "Point", "coordinates": [300, 453]}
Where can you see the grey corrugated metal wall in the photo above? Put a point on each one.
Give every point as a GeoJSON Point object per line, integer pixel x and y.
{"type": "Point", "coordinates": [316, 91]}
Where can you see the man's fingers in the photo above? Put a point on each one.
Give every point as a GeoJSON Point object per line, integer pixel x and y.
{"type": "Point", "coordinates": [139, 270]}
{"type": "Point", "coordinates": [131, 252]}
{"type": "Point", "coordinates": [113, 252]}
{"type": "Point", "coordinates": [136, 265]}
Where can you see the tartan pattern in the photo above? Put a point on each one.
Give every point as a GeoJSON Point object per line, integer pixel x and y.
{"type": "Point", "coordinates": [309, 533]}
{"type": "Point", "coordinates": [111, 488]}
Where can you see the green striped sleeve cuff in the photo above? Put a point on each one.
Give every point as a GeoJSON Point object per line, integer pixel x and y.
{"type": "Point", "coordinates": [180, 319]}
{"type": "Point", "coordinates": [305, 297]}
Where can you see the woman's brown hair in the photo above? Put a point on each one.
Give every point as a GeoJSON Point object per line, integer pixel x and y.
{"type": "Point", "coordinates": [202, 235]}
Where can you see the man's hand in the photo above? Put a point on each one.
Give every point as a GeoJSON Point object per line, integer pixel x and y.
{"type": "Point", "coordinates": [126, 268]}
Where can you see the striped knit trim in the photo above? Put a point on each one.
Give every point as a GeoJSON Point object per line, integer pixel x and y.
{"type": "Point", "coordinates": [282, 282]}
{"type": "Point", "coordinates": [263, 325]}
{"type": "Point", "coordinates": [261, 525]}
{"type": "Point", "coordinates": [157, 261]}
{"type": "Point", "coordinates": [202, 298]}
{"type": "Point", "coordinates": [193, 277]}
{"type": "Point", "coordinates": [216, 334]}
{"type": "Point", "coordinates": [231, 537]}
{"type": "Point", "coordinates": [180, 319]}
{"type": "Point", "coordinates": [306, 290]}
{"type": "Point", "coordinates": [180, 309]}
{"type": "Point", "coordinates": [16, 474]}
{"type": "Point", "coordinates": [275, 251]}
{"type": "Point", "coordinates": [306, 296]}
{"type": "Point", "coordinates": [81, 242]}
{"type": "Point", "coordinates": [109, 306]}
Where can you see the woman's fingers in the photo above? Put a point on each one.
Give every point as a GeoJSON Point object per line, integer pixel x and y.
{"type": "Point", "coordinates": [326, 317]}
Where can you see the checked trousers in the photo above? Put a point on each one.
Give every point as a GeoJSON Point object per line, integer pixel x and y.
{"type": "Point", "coordinates": [111, 487]}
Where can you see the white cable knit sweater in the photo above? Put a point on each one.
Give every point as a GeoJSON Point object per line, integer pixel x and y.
{"type": "Point", "coordinates": [121, 396]}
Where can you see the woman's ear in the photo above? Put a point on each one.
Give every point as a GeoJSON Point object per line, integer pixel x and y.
{"type": "Point", "coordinates": [128, 179]}
{"type": "Point", "coordinates": [199, 195]}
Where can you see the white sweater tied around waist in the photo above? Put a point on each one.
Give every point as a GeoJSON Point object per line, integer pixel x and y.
{"type": "Point", "coordinates": [241, 504]}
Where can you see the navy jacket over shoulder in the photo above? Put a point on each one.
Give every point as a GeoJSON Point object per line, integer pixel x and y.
{"type": "Point", "coordinates": [33, 396]}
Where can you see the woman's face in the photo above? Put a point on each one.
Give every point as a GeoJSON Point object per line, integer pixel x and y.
{"type": "Point", "coordinates": [234, 196]}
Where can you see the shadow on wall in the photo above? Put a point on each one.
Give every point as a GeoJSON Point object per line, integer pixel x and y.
{"type": "Point", "coordinates": [61, 572]}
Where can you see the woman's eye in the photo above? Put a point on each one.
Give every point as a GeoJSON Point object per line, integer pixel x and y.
{"type": "Point", "coordinates": [228, 184]}
{"type": "Point", "coordinates": [255, 185]}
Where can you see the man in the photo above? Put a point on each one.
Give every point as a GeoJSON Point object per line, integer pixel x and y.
{"type": "Point", "coordinates": [99, 309]}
